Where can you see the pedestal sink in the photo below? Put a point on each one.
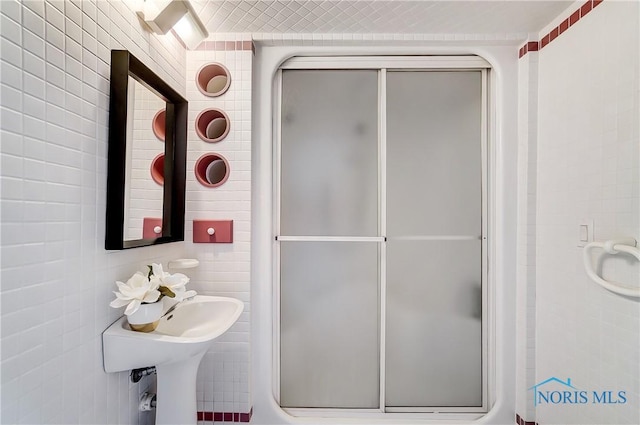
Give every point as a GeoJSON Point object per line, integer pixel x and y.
{"type": "Point", "coordinates": [175, 348]}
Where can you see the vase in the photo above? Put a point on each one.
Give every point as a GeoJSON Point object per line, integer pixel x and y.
{"type": "Point", "coordinates": [146, 317]}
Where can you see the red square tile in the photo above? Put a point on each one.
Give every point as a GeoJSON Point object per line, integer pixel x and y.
{"type": "Point", "coordinates": [575, 17]}
{"type": "Point", "coordinates": [521, 53]}
{"type": "Point", "coordinates": [596, 2]}
{"type": "Point", "coordinates": [246, 45]}
{"type": "Point", "coordinates": [553, 34]}
{"type": "Point", "coordinates": [219, 45]}
{"type": "Point", "coordinates": [230, 45]}
{"type": "Point", "coordinates": [236, 417]}
{"type": "Point", "coordinates": [208, 416]}
{"type": "Point", "coordinates": [544, 41]}
{"type": "Point", "coordinates": [228, 417]}
{"type": "Point", "coordinates": [200, 416]}
{"type": "Point", "coordinates": [217, 416]}
{"type": "Point", "coordinates": [586, 8]}
{"type": "Point", "coordinates": [564, 26]}
{"type": "Point", "coordinates": [532, 46]}
{"type": "Point", "coordinates": [245, 417]}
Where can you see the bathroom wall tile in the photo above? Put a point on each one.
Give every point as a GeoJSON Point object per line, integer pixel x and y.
{"type": "Point", "coordinates": [11, 75]}
{"type": "Point", "coordinates": [11, 30]}
{"type": "Point", "coordinates": [34, 107]}
{"type": "Point", "coordinates": [223, 270]}
{"type": "Point", "coordinates": [33, 64]}
{"type": "Point", "coordinates": [11, 9]}
{"type": "Point", "coordinates": [73, 12]}
{"type": "Point", "coordinates": [583, 173]}
{"type": "Point", "coordinates": [55, 36]}
{"type": "Point", "coordinates": [55, 56]}
{"type": "Point", "coordinates": [11, 98]}
{"type": "Point", "coordinates": [74, 33]}
{"type": "Point", "coordinates": [11, 52]}
{"type": "Point", "coordinates": [33, 85]}
{"type": "Point", "coordinates": [33, 22]}
{"type": "Point", "coordinates": [55, 272]}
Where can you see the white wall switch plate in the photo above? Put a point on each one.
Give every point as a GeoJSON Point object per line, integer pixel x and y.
{"type": "Point", "coordinates": [585, 232]}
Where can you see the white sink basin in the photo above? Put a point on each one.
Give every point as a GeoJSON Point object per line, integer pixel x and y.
{"type": "Point", "coordinates": [175, 348]}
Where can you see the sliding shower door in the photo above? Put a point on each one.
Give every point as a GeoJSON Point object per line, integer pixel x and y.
{"type": "Point", "coordinates": [434, 246]}
{"type": "Point", "coordinates": [328, 250]}
{"type": "Point", "coordinates": [380, 239]}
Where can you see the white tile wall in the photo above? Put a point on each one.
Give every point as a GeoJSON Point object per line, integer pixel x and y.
{"type": "Point", "coordinates": [589, 167]}
{"type": "Point", "coordinates": [56, 277]}
{"type": "Point", "coordinates": [145, 194]}
{"type": "Point", "coordinates": [223, 378]}
{"type": "Point", "coordinates": [526, 259]}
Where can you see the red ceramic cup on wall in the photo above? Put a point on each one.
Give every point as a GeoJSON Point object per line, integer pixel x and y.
{"type": "Point", "coordinates": [212, 170]}
{"type": "Point", "coordinates": [158, 124]}
{"type": "Point", "coordinates": [157, 169]}
{"type": "Point", "coordinates": [213, 79]}
{"type": "Point", "coordinates": [212, 125]}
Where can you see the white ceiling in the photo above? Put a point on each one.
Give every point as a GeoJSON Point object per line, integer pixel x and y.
{"type": "Point", "coordinates": [377, 16]}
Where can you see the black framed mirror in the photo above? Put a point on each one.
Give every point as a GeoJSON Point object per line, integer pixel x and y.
{"type": "Point", "coordinates": [135, 86]}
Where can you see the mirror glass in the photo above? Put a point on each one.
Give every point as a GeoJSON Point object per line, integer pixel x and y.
{"type": "Point", "coordinates": [147, 159]}
{"type": "Point", "coordinates": [145, 143]}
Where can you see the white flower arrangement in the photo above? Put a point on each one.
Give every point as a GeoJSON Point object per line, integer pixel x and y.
{"type": "Point", "coordinates": [141, 289]}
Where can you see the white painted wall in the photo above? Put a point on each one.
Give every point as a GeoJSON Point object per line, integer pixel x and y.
{"type": "Point", "coordinates": [56, 276]}
{"type": "Point", "coordinates": [588, 166]}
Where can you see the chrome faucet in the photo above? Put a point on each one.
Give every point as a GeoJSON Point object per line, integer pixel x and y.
{"type": "Point", "coordinates": [173, 307]}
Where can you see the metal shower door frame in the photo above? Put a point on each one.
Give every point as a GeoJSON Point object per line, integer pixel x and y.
{"type": "Point", "coordinates": [382, 64]}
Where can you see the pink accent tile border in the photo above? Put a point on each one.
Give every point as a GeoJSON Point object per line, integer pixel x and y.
{"type": "Point", "coordinates": [225, 45]}
{"type": "Point", "coordinates": [520, 421]}
{"type": "Point", "coordinates": [225, 416]}
{"type": "Point", "coordinates": [581, 12]}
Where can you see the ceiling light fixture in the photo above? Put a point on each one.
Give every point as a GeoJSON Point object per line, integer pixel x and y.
{"type": "Point", "coordinates": [163, 15]}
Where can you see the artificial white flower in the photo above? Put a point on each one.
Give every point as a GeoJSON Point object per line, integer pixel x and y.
{"type": "Point", "coordinates": [175, 282]}
{"type": "Point", "coordinates": [138, 289]}
{"type": "Point", "coordinates": [150, 288]}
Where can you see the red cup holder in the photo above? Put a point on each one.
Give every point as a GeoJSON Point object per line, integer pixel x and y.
{"type": "Point", "coordinates": [212, 125]}
{"type": "Point", "coordinates": [213, 79]}
{"type": "Point", "coordinates": [212, 170]}
{"type": "Point", "coordinates": [158, 124]}
{"type": "Point", "coordinates": [157, 169]}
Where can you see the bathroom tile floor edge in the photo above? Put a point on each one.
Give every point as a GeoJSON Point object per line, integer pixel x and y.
{"type": "Point", "coordinates": [225, 416]}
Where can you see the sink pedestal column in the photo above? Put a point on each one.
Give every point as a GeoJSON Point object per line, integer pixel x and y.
{"type": "Point", "coordinates": [176, 393]}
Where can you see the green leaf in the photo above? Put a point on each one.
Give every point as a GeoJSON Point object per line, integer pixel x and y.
{"type": "Point", "coordinates": [165, 291]}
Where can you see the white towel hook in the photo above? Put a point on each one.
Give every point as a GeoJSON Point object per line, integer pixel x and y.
{"type": "Point", "coordinates": [614, 246]}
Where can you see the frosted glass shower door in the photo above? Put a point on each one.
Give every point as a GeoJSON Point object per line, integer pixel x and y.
{"type": "Point", "coordinates": [328, 240]}
{"type": "Point", "coordinates": [434, 250]}
{"type": "Point", "coordinates": [380, 229]}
